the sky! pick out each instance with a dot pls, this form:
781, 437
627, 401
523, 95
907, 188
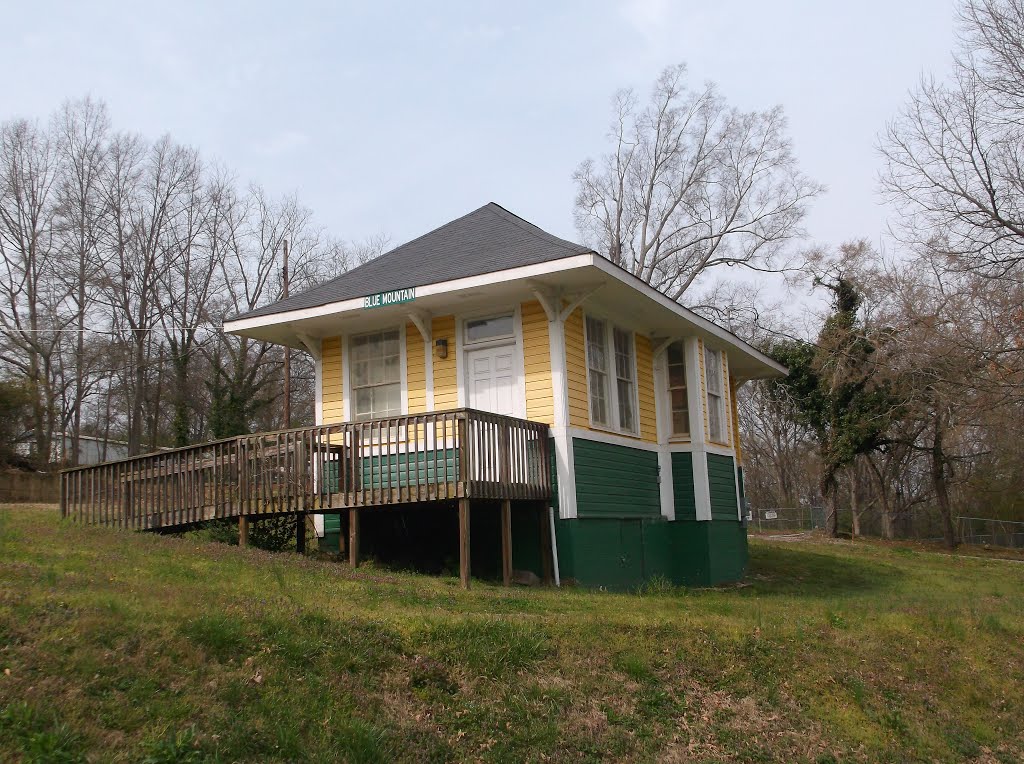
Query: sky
395, 118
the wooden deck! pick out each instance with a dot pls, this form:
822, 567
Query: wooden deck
458, 455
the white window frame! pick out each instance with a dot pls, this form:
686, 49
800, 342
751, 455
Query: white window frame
349, 371
498, 340
723, 434
666, 394
612, 397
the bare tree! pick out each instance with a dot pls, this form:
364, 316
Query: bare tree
149, 189
29, 311
691, 185
955, 155
81, 129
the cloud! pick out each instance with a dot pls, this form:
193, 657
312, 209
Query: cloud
649, 17
284, 142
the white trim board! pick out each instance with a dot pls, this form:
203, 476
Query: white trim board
612, 438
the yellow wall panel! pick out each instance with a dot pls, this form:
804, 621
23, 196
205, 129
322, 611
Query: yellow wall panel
645, 388
735, 423
537, 364
415, 369
446, 383
332, 380
576, 370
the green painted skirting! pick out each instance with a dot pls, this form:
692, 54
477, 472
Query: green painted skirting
623, 554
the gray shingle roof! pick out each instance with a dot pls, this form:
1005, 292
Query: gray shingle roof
486, 240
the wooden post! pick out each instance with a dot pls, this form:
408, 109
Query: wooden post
353, 537
300, 532
506, 542
243, 531
464, 542
546, 561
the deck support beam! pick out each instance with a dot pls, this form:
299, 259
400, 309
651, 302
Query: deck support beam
243, 531
300, 532
353, 537
464, 562
506, 542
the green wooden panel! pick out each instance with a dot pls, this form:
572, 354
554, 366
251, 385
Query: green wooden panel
615, 481
682, 486
417, 468
722, 482
622, 554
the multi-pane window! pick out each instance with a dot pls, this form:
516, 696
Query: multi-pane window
624, 384
678, 403
716, 398
612, 398
376, 375
597, 367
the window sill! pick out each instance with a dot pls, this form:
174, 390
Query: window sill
613, 431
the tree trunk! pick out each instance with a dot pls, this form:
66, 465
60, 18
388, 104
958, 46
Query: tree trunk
138, 377
855, 499
941, 487
888, 529
830, 493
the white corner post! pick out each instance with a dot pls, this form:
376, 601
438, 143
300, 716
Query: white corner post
696, 401
560, 398
315, 349
663, 419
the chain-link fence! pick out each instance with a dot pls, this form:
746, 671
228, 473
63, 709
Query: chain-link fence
918, 525
983, 530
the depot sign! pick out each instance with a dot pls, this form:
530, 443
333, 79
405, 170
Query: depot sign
393, 297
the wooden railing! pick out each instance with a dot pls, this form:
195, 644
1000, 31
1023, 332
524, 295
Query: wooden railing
425, 457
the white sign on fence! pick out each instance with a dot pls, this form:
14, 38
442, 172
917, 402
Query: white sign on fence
771, 515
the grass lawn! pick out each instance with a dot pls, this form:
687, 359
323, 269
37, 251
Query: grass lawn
129, 647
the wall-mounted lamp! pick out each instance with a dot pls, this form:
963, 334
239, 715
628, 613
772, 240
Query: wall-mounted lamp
441, 349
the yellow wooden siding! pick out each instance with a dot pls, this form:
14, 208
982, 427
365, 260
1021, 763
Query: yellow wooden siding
415, 370
332, 380
446, 379
735, 422
645, 388
576, 371
540, 401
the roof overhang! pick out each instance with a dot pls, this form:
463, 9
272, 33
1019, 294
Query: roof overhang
604, 286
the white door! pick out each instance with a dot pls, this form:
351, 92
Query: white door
492, 379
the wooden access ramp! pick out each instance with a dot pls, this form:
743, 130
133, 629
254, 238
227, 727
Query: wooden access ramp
461, 454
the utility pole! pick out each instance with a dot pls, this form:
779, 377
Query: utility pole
287, 350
